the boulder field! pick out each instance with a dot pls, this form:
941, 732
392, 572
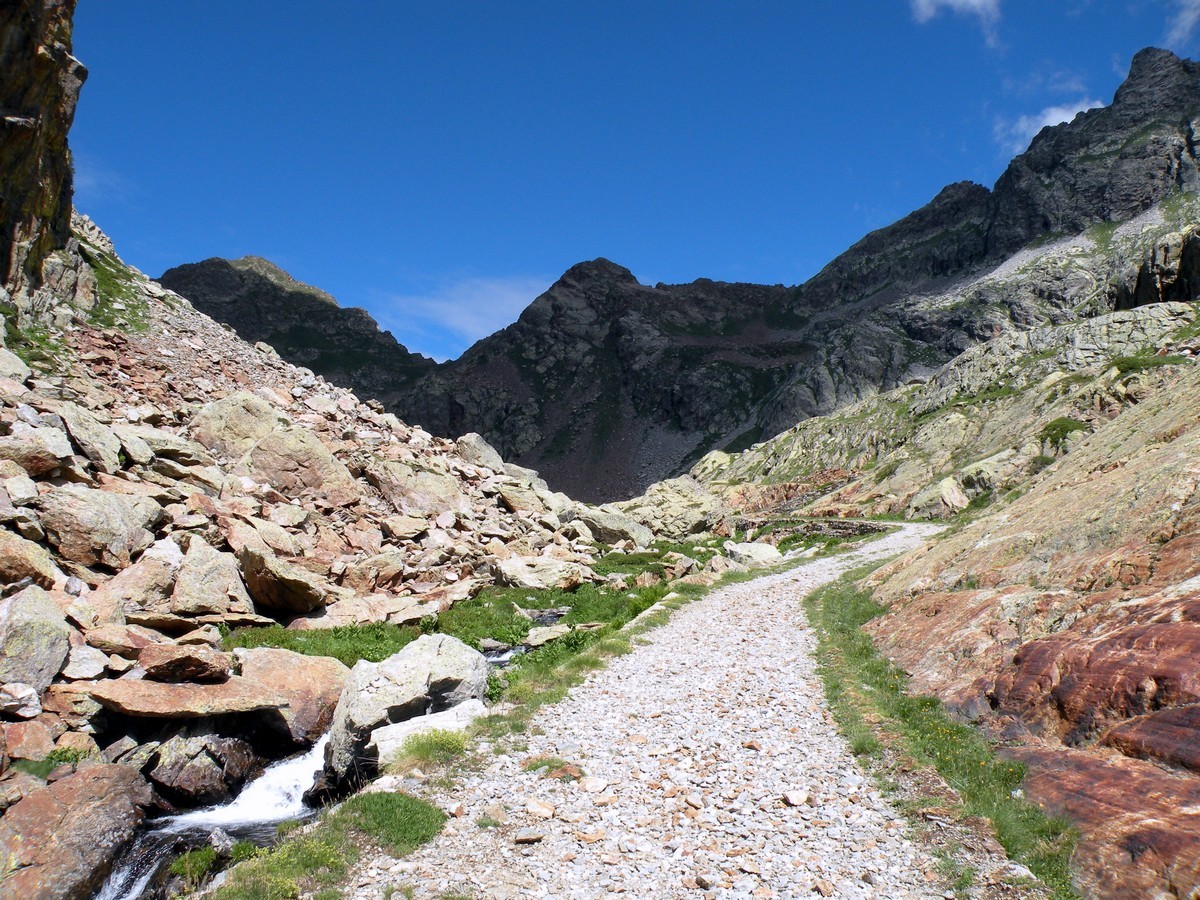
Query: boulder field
163, 482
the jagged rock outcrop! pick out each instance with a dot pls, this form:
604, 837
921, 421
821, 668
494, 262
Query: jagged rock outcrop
304, 324
606, 385
37, 105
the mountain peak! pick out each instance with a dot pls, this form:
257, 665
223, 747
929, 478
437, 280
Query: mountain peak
598, 269
1158, 81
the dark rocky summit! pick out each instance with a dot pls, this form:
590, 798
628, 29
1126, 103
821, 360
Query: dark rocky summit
606, 385
304, 324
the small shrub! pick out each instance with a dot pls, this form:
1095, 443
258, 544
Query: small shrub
1056, 432
1039, 462
194, 865
1128, 365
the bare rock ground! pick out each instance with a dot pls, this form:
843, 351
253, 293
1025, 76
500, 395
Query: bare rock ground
711, 764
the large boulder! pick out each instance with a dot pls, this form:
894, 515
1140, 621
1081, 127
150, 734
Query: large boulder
676, 508
280, 586
39, 451
610, 526
434, 673
478, 452
98, 527
387, 741
143, 590
209, 583
311, 685
90, 435
293, 461
753, 553
233, 425
20, 558
60, 841
410, 488
200, 769
34, 639
158, 700
536, 573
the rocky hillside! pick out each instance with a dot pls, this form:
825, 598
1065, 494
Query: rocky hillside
304, 325
161, 482
606, 385
1061, 614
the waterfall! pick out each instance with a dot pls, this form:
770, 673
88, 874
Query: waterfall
275, 796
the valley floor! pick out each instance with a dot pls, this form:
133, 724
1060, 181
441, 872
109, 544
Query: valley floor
710, 765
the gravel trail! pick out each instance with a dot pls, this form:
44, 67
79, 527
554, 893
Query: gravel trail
713, 768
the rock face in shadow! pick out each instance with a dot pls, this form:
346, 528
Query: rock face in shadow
305, 325
36, 110
606, 385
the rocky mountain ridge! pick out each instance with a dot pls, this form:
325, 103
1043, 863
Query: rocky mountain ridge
606, 385
1059, 612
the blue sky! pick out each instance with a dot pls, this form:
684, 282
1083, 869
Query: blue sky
441, 163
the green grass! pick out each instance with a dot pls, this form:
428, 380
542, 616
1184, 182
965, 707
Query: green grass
194, 865
860, 683
491, 615
317, 860
1127, 365
1056, 432
40, 768
437, 747
348, 643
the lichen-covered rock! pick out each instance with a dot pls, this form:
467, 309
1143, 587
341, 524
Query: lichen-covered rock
233, 425
752, 553
432, 674
209, 583
416, 490
34, 639
387, 741
98, 527
538, 573
610, 526
39, 451
20, 558
279, 586
60, 840
294, 461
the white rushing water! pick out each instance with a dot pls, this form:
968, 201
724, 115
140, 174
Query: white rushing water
275, 796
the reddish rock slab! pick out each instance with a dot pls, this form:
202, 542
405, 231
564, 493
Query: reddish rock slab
310, 684
179, 663
1139, 824
61, 840
1078, 684
157, 700
29, 740
1170, 735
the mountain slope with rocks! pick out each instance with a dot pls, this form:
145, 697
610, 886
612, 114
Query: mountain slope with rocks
606, 385
1060, 614
303, 324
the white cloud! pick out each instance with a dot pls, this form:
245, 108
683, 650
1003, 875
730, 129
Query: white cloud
1183, 23
444, 321
1015, 135
987, 10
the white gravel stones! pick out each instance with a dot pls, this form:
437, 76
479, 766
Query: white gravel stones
713, 769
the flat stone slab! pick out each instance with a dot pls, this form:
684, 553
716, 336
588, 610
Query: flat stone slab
158, 700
